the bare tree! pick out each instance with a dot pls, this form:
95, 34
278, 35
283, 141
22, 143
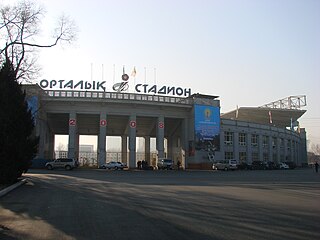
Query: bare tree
19, 27
61, 147
315, 148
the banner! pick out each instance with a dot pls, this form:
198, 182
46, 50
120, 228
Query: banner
207, 127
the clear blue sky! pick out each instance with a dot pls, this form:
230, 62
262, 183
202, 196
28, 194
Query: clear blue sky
248, 52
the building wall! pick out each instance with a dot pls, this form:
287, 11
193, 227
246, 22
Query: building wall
258, 142
247, 142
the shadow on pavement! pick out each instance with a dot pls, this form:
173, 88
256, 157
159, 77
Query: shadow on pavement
166, 205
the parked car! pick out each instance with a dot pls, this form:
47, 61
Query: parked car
164, 163
271, 165
291, 165
66, 163
113, 165
244, 166
258, 165
283, 165
226, 165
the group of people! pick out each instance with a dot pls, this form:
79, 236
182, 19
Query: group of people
143, 165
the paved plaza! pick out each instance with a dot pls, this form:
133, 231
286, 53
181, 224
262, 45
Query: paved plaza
101, 204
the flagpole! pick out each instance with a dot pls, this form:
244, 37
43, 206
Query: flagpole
114, 72
91, 71
134, 79
102, 72
145, 75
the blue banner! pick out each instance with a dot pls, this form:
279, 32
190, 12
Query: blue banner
207, 126
33, 106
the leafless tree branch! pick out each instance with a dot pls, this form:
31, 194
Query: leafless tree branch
19, 27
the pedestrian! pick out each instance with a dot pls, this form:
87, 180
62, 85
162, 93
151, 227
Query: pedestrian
178, 164
316, 165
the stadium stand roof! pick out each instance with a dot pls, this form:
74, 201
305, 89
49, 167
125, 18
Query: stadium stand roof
281, 113
280, 117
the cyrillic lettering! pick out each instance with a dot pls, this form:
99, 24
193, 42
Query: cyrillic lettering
69, 84
187, 92
145, 87
179, 91
100, 85
87, 85
163, 90
171, 89
44, 83
137, 87
79, 83
153, 89
60, 83
53, 83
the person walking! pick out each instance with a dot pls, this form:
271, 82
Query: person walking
316, 166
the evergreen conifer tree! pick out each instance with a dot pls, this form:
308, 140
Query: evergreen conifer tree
17, 144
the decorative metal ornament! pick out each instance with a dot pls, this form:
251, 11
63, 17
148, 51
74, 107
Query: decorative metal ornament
125, 77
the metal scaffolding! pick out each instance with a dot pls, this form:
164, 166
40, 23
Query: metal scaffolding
291, 102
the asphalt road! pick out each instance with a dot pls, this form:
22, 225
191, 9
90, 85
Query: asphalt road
100, 204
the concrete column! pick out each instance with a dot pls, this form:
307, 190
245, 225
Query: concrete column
124, 149
291, 150
236, 146
132, 141
249, 149
147, 149
278, 147
77, 146
51, 145
102, 139
296, 153
170, 148
222, 143
72, 135
285, 149
270, 149
42, 132
184, 142
260, 147
160, 136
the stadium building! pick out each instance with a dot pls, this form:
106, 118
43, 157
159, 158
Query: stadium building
187, 127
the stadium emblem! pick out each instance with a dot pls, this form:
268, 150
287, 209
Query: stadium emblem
122, 86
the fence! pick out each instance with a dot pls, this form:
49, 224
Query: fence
118, 96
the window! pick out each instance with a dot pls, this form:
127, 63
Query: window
289, 145
242, 139
255, 156
274, 157
228, 155
228, 138
265, 157
242, 157
265, 141
281, 142
254, 140
274, 142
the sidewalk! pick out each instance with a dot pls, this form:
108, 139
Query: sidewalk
8, 189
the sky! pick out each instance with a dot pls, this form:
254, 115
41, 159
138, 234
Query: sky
247, 52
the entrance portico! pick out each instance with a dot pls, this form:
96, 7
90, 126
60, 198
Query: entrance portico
125, 118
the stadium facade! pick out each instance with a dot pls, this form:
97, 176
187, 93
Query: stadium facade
196, 133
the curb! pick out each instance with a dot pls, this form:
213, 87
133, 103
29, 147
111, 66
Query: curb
12, 187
